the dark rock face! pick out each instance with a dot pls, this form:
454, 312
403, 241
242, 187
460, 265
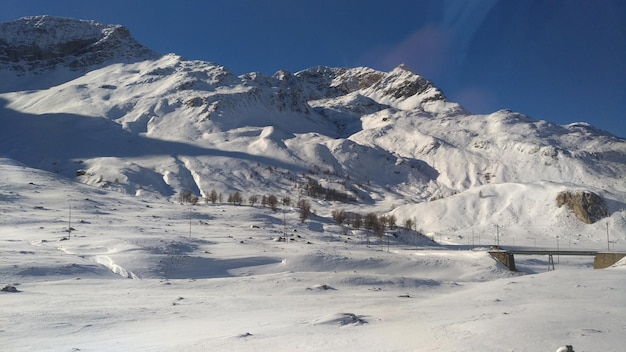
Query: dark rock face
45, 42
588, 206
401, 83
334, 82
10, 289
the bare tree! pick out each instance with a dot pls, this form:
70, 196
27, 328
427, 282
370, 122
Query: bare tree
305, 209
408, 223
213, 196
357, 221
184, 196
272, 201
237, 198
380, 228
253, 199
370, 222
391, 221
339, 216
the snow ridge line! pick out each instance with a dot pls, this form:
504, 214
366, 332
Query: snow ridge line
107, 262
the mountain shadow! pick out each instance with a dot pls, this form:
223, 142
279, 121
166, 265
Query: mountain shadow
41, 140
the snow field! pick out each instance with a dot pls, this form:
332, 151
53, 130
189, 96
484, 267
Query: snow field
132, 277
96, 254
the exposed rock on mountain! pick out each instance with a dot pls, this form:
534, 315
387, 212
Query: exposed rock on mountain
326, 82
587, 206
45, 42
147, 124
402, 83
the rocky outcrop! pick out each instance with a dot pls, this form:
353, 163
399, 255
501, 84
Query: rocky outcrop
587, 206
45, 42
402, 84
325, 82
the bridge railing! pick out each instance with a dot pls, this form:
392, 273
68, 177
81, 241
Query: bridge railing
601, 259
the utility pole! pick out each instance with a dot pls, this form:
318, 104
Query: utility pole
69, 223
416, 234
608, 243
558, 256
472, 237
190, 221
497, 237
285, 226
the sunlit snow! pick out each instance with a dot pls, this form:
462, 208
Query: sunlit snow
97, 253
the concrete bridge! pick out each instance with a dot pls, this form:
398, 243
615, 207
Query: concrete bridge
601, 259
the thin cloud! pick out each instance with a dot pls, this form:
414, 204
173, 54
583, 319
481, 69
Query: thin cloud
477, 99
428, 51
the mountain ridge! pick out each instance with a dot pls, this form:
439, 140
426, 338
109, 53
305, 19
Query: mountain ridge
102, 168
162, 124
47, 42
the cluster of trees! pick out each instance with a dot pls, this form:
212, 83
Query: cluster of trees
236, 198
186, 196
313, 189
270, 201
377, 224
370, 221
309, 188
213, 197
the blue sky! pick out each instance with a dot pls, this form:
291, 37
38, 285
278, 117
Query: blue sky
560, 60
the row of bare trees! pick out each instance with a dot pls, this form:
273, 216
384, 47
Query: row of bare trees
313, 189
370, 221
237, 198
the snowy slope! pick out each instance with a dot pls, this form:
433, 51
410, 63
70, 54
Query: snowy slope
150, 275
166, 124
100, 135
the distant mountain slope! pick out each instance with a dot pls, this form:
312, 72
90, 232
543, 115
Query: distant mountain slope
40, 44
87, 101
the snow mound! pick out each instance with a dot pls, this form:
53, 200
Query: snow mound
341, 319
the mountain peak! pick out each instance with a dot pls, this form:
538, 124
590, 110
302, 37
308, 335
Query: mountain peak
402, 88
403, 67
45, 42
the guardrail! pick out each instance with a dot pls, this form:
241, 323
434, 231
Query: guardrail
601, 259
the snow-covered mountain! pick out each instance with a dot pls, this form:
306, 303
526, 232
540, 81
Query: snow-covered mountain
99, 138
88, 102
45, 43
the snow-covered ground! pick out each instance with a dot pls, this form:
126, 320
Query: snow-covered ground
104, 143
146, 274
